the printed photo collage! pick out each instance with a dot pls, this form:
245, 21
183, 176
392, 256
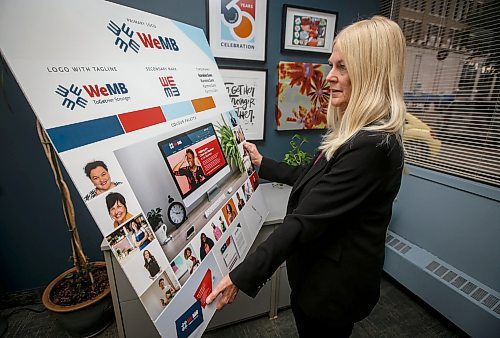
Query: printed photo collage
158, 259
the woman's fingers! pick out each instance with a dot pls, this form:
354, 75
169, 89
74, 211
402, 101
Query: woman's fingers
252, 150
228, 291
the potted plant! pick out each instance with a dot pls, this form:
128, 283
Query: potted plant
79, 298
296, 156
155, 219
230, 146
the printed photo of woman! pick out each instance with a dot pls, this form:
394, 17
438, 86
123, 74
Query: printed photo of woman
150, 264
97, 172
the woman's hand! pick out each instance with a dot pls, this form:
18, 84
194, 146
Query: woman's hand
255, 156
228, 290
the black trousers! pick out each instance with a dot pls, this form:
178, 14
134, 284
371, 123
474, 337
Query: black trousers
311, 327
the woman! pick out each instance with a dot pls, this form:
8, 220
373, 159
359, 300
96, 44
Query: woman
241, 202
140, 236
97, 172
231, 214
117, 208
191, 261
194, 173
222, 224
247, 190
150, 263
206, 245
340, 206
216, 231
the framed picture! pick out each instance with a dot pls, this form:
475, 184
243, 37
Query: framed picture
247, 92
237, 29
307, 30
302, 96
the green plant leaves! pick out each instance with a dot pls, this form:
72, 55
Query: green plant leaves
230, 146
296, 156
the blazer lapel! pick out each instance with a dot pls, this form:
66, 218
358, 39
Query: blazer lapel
313, 170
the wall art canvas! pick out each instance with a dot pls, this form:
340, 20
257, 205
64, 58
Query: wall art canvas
237, 29
307, 29
247, 91
302, 96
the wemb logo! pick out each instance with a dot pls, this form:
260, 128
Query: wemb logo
125, 39
73, 95
169, 86
106, 90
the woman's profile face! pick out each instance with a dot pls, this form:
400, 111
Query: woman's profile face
338, 78
100, 178
188, 253
190, 159
118, 212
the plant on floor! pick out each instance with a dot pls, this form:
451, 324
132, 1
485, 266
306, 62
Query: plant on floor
296, 156
85, 287
230, 146
82, 279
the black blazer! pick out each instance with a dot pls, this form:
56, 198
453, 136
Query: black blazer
333, 235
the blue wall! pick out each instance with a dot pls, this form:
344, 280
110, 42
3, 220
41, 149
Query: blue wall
454, 219
35, 243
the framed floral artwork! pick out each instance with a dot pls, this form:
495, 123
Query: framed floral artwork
237, 29
302, 96
307, 29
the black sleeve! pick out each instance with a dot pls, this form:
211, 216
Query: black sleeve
279, 171
358, 171
181, 172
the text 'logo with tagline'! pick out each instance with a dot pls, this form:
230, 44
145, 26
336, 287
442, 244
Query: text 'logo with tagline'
125, 39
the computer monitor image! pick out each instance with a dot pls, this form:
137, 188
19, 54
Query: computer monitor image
195, 161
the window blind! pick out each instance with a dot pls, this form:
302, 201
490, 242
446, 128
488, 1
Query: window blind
452, 85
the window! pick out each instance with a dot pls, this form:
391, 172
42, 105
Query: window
415, 5
454, 38
438, 7
452, 89
433, 36
412, 30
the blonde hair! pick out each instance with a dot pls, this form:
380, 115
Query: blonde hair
374, 53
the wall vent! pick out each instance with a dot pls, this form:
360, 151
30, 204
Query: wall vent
479, 294
497, 309
441, 271
394, 242
475, 291
406, 249
399, 246
449, 276
468, 288
490, 301
459, 282
432, 266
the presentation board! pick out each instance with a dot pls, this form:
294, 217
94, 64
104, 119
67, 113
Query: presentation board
132, 103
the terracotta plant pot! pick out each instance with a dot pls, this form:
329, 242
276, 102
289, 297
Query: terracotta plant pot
86, 319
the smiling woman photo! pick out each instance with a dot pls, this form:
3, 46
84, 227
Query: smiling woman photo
97, 172
117, 208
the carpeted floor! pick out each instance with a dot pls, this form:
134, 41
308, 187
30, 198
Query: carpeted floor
398, 314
